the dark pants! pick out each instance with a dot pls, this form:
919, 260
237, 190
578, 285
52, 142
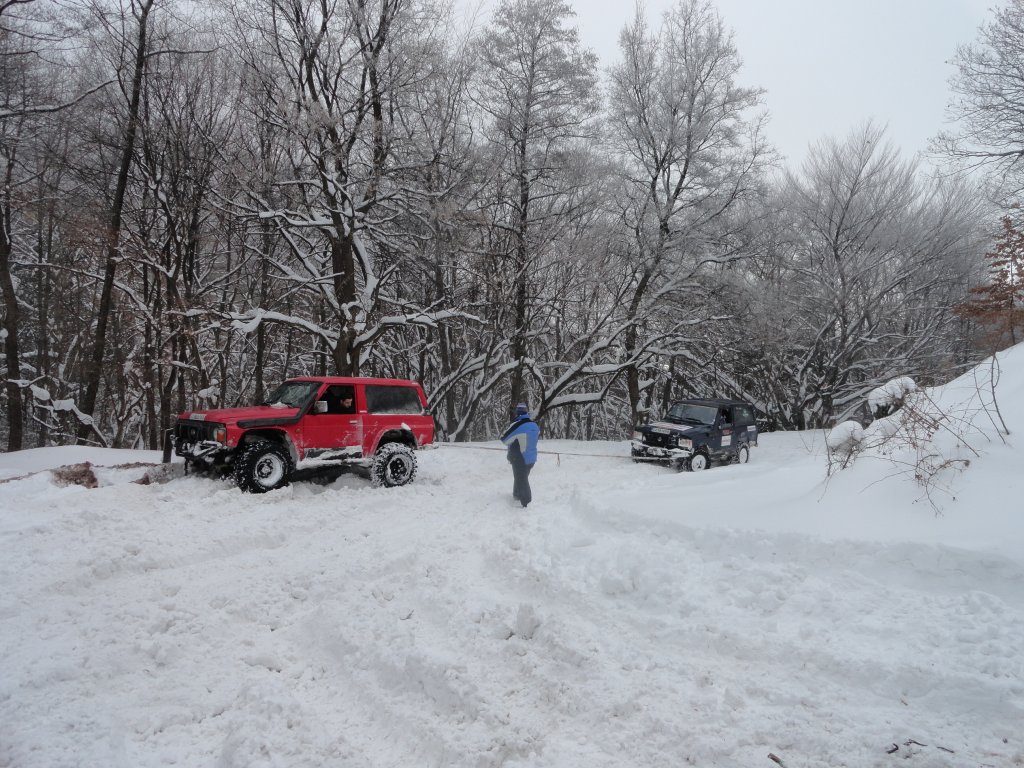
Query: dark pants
521, 484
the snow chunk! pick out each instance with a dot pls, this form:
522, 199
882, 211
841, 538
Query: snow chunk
527, 622
846, 437
69, 405
249, 326
210, 393
891, 394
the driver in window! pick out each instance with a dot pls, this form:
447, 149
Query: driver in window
348, 403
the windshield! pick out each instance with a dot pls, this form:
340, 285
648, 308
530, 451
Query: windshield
292, 394
691, 413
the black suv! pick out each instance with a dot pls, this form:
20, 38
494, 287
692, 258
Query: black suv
696, 431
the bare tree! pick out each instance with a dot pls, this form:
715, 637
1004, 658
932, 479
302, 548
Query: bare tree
337, 73
176, 249
861, 288
538, 86
134, 72
31, 98
989, 98
445, 171
14, 62
690, 156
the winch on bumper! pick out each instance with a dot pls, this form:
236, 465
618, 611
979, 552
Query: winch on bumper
200, 450
196, 439
668, 448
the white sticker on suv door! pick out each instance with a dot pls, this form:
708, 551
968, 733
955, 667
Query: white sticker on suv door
726, 440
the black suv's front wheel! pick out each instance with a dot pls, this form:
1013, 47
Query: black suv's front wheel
698, 462
262, 467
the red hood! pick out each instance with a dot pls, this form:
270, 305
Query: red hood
234, 415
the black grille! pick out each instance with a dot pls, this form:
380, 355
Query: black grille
659, 441
188, 431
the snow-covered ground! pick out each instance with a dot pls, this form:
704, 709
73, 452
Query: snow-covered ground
754, 615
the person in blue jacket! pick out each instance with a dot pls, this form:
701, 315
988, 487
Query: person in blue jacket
521, 440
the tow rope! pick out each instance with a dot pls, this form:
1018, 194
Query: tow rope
557, 454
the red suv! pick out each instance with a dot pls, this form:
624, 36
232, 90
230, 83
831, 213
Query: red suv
312, 423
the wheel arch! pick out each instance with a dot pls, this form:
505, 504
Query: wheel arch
404, 436
273, 435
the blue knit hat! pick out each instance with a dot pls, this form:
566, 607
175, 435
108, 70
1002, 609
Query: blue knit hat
522, 409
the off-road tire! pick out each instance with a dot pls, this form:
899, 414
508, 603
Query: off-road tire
743, 454
394, 464
262, 467
698, 462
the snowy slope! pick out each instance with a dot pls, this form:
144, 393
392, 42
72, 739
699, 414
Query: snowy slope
631, 617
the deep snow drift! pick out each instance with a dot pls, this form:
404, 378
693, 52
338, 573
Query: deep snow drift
630, 617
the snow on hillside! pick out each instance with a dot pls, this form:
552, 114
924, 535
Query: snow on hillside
753, 615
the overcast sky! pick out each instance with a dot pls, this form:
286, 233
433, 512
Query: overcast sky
829, 65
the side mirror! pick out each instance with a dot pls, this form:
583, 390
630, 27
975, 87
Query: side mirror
320, 406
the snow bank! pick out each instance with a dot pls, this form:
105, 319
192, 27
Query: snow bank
845, 437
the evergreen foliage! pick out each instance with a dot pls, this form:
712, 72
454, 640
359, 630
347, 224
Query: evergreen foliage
998, 305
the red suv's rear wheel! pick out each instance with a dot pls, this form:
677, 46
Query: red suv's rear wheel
393, 464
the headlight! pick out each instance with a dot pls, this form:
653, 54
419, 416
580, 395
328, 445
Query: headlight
220, 435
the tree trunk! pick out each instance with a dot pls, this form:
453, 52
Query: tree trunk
345, 353
520, 262
15, 418
94, 367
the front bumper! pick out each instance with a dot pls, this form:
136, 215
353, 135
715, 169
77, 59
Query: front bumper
197, 439
643, 452
202, 449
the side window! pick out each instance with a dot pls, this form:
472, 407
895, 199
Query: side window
382, 399
725, 418
339, 399
744, 416
347, 395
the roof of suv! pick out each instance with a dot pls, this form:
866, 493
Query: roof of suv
354, 380
716, 402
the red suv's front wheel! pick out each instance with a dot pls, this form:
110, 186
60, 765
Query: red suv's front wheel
262, 467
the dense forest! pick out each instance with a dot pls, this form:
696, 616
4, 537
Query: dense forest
200, 199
